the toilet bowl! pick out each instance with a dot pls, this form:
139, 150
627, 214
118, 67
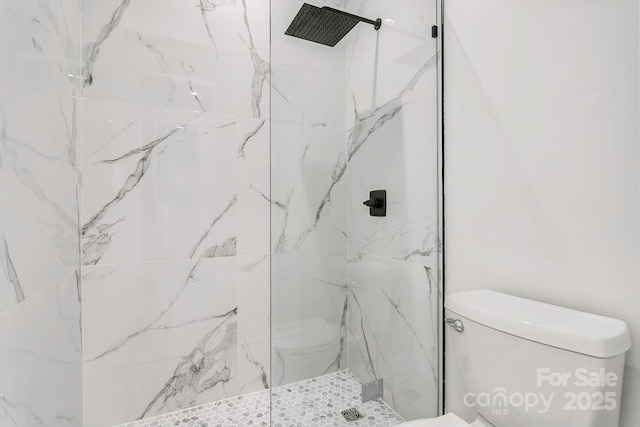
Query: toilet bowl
503, 345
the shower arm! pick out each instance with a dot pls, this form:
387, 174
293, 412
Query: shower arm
376, 24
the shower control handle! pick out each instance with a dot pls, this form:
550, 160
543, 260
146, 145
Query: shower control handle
372, 203
377, 203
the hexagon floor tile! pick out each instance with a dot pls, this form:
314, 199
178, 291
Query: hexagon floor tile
317, 402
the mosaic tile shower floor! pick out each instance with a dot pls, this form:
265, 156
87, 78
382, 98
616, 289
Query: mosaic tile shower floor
311, 403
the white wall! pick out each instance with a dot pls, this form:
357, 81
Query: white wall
542, 157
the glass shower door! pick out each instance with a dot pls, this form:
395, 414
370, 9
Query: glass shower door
354, 297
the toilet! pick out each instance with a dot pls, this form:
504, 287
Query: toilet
524, 363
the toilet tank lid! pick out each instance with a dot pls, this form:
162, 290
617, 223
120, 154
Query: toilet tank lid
560, 327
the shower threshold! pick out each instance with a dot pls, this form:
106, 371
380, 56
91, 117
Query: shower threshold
314, 402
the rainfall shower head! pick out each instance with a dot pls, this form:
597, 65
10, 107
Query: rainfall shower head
325, 25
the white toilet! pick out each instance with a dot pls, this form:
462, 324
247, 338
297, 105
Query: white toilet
524, 363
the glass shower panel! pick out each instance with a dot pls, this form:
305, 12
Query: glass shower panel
309, 204
354, 297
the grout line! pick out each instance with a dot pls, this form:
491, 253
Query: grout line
50, 285
173, 260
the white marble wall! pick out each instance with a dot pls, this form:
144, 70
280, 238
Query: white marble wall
171, 335
175, 204
309, 202
543, 159
40, 348
393, 261
40, 358
142, 153
38, 164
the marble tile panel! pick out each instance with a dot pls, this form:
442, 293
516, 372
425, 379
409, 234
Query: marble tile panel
41, 360
254, 189
254, 323
308, 79
40, 47
253, 51
396, 151
160, 337
38, 184
393, 331
161, 53
396, 62
309, 247
157, 184
39, 44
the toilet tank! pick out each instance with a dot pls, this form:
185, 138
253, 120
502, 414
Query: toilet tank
524, 363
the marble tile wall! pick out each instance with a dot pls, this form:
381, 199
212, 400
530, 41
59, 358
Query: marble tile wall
135, 163
393, 286
199, 339
40, 345
38, 159
41, 360
175, 204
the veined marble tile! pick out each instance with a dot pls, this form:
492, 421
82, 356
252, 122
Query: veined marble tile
40, 359
158, 184
393, 261
161, 52
254, 178
308, 79
160, 337
402, 53
38, 178
393, 131
40, 47
253, 60
254, 323
393, 331
308, 186
396, 151
308, 198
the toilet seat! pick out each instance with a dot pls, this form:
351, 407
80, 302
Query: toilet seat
448, 420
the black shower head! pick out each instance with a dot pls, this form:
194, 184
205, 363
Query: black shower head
325, 25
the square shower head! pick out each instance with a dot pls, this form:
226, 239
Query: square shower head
321, 25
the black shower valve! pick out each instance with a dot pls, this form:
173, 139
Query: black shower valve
373, 203
377, 203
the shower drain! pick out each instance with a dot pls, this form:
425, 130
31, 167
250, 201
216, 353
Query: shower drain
352, 414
